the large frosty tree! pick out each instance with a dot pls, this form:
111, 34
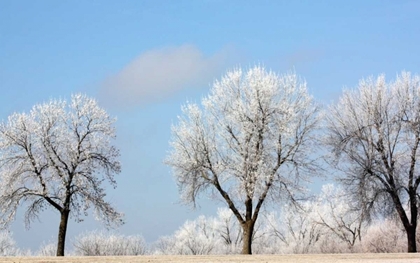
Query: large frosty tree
248, 142
57, 156
374, 135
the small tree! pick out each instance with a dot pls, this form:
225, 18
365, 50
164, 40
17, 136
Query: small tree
251, 141
58, 155
374, 135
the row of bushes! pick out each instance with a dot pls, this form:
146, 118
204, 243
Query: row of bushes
326, 224
279, 235
203, 236
95, 243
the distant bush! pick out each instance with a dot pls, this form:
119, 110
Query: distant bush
100, 243
47, 249
326, 224
384, 236
8, 245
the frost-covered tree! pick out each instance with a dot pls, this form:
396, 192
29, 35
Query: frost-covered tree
57, 156
374, 135
250, 141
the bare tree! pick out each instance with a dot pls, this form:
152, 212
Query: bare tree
374, 133
58, 155
250, 141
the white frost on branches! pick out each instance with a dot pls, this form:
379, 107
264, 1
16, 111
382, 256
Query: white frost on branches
251, 123
248, 141
374, 136
58, 155
101, 243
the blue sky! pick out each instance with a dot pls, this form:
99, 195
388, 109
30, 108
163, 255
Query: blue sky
143, 59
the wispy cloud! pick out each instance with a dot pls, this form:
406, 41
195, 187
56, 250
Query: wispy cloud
159, 73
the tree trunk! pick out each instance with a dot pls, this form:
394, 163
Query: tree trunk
411, 232
410, 228
62, 231
411, 240
248, 231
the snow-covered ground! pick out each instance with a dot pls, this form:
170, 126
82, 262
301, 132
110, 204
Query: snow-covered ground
325, 258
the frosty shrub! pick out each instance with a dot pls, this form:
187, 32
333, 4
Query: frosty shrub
230, 232
292, 231
328, 223
198, 237
386, 236
100, 243
8, 245
338, 219
203, 236
165, 245
47, 250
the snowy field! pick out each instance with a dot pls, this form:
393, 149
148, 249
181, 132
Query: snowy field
325, 258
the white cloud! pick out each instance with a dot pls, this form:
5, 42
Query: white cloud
159, 73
